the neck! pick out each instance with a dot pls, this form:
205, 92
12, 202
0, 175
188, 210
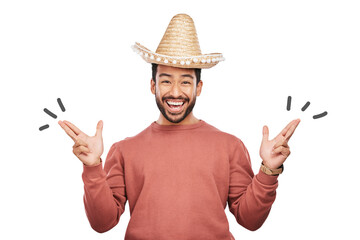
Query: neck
190, 119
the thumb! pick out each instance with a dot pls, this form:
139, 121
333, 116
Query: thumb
265, 133
99, 128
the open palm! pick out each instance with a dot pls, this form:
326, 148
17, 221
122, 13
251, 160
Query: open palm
274, 152
87, 148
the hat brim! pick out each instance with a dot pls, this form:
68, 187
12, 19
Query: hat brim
200, 61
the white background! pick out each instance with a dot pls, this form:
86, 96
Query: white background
80, 51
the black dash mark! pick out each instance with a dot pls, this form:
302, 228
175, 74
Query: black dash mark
305, 106
320, 115
50, 113
44, 127
61, 105
288, 106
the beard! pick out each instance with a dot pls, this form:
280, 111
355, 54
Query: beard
175, 117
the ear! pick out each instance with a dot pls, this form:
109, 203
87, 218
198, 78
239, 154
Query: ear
199, 87
152, 86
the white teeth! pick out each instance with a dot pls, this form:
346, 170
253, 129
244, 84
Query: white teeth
175, 103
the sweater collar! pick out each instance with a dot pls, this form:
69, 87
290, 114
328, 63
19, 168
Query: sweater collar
157, 126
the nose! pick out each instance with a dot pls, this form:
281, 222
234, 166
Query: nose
175, 90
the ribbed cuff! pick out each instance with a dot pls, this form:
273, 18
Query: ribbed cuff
266, 179
93, 172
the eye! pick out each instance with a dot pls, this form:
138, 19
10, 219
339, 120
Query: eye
186, 82
165, 81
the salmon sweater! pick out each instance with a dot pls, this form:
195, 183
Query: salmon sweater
177, 180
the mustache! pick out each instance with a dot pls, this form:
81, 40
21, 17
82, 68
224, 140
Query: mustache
173, 98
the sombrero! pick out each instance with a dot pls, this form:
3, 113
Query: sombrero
179, 47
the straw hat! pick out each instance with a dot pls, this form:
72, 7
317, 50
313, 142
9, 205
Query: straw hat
179, 47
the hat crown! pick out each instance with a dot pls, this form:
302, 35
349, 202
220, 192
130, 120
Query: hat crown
179, 47
180, 38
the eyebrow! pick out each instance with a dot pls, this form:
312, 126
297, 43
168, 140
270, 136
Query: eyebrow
187, 75
169, 75
164, 75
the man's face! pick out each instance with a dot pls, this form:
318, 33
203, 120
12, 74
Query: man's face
175, 92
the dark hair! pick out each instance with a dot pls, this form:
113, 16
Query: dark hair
154, 71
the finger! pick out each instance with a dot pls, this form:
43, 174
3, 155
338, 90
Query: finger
99, 128
283, 150
282, 142
76, 130
265, 133
68, 130
290, 132
284, 131
80, 142
81, 149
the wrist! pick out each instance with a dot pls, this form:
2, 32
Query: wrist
97, 162
270, 165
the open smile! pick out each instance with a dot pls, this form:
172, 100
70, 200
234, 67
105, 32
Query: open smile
175, 106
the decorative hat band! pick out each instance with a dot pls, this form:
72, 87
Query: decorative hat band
200, 61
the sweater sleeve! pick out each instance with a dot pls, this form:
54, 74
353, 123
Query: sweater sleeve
104, 191
250, 197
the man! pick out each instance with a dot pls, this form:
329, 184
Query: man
178, 173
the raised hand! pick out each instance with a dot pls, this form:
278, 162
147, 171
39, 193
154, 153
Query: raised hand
87, 149
274, 152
